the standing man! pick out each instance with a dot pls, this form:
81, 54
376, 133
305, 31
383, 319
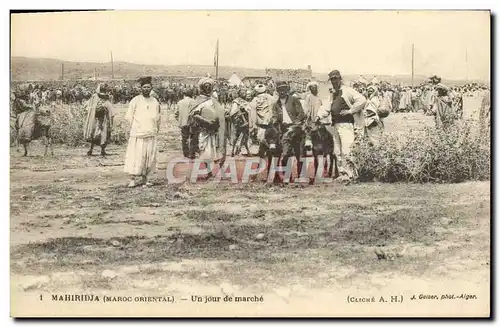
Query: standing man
288, 114
443, 109
387, 94
241, 104
312, 102
260, 113
182, 114
99, 122
347, 106
144, 116
207, 117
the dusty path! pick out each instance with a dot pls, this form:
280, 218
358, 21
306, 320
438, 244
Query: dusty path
72, 231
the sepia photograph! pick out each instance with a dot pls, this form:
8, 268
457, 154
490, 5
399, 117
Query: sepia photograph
250, 163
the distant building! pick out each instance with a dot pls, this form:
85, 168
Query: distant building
252, 80
295, 75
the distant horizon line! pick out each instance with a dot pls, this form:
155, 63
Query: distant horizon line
242, 67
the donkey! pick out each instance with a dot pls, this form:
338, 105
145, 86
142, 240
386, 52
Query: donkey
34, 124
320, 142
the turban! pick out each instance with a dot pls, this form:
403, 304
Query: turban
206, 80
441, 86
311, 84
145, 80
102, 88
374, 88
261, 88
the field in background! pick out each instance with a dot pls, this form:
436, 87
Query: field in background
45, 69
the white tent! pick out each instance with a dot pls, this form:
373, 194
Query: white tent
234, 80
374, 80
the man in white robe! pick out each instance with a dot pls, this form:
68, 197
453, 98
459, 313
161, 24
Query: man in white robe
144, 117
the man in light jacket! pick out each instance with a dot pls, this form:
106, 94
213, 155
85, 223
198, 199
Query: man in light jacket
189, 142
260, 113
347, 106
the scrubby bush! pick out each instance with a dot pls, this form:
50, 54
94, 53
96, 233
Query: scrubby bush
67, 126
459, 153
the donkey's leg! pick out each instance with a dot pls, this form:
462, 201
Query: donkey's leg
245, 142
45, 140
239, 142
234, 148
331, 158
49, 137
103, 150
17, 145
89, 153
316, 165
335, 165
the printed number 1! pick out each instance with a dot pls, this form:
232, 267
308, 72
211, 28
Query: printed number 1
41, 297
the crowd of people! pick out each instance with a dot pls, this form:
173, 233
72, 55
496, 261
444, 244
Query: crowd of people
268, 119
420, 98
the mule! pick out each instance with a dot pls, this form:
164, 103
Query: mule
271, 146
320, 142
294, 135
32, 125
239, 122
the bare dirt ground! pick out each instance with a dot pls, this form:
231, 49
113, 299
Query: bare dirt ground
76, 228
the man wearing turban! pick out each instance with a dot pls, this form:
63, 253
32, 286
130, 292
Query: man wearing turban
443, 108
260, 113
144, 116
312, 101
208, 118
97, 128
237, 113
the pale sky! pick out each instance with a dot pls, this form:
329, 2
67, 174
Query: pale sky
355, 42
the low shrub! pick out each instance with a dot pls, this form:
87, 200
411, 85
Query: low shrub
67, 126
459, 153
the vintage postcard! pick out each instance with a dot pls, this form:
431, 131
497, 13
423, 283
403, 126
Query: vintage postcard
250, 164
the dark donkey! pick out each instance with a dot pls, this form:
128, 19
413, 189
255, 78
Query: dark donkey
270, 147
320, 142
273, 147
240, 125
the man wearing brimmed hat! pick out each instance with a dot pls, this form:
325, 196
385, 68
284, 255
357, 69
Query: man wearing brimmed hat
260, 114
347, 106
289, 115
207, 118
